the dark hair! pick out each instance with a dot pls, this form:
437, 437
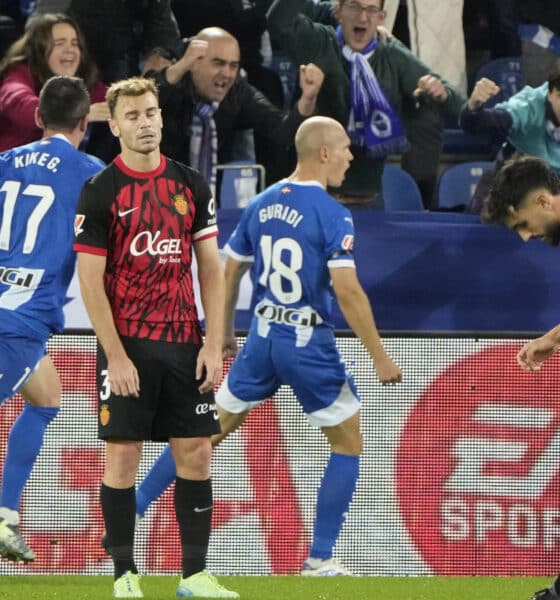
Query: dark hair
554, 76
63, 102
35, 45
513, 183
133, 86
382, 5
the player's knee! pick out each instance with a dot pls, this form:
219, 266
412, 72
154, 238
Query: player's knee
49, 399
43, 389
355, 446
352, 445
193, 457
121, 463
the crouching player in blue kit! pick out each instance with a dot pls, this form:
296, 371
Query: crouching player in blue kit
39, 188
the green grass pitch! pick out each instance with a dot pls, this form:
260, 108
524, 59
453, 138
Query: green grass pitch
286, 588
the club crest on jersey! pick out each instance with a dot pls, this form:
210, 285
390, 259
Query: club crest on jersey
181, 205
104, 414
78, 222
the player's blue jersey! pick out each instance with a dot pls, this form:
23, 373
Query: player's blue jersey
293, 233
39, 188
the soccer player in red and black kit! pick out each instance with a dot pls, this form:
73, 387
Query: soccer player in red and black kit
137, 224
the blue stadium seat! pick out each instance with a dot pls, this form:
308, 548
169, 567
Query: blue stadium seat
241, 182
457, 183
288, 74
400, 191
457, 141
505, 72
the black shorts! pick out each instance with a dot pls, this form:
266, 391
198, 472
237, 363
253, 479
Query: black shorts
169, 404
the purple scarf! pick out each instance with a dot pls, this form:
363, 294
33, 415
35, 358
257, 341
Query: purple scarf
373, 123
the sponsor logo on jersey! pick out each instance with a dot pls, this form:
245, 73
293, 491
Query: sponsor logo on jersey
20, 277
180, 203
150, 243
78, 222
212, 210
348, 242
203, 408
296, 317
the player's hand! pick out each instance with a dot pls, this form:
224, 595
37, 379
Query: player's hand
208, 368
310, 80
428, 85
484, 89
388, 371
230, 348
99, 111
535, 352
123, 376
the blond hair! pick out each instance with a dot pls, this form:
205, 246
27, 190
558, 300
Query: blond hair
134, 86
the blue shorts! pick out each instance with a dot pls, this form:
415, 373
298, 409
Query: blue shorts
19, 357
316, 373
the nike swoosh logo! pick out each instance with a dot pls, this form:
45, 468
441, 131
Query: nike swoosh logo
198, 510
123, 213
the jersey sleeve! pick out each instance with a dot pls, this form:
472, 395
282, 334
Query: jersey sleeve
339, 240
205, 223
239, 245
91, 224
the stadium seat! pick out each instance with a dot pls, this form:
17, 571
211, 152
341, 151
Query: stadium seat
457, 183
240, 182
457, 141
288, 74
400, 191
505, 72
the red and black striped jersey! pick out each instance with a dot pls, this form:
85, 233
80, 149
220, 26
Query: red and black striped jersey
145, 223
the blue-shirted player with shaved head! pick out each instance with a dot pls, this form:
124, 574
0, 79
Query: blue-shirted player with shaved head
298, 242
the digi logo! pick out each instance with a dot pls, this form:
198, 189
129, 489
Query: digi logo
478, 468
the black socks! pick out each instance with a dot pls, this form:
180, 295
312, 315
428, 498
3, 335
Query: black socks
193, 507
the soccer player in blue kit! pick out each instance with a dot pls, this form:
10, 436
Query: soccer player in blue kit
297, 240
39, 188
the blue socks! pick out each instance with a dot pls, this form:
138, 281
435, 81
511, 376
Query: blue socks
157, 480
333, 500
24, 444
